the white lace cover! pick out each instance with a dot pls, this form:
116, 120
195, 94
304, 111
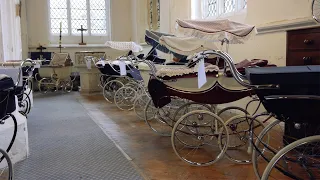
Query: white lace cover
183, 70
124, 46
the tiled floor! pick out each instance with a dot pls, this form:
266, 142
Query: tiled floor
151, 154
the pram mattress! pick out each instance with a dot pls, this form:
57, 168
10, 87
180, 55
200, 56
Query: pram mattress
7, 96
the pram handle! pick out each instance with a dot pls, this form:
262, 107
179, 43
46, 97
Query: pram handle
241, 79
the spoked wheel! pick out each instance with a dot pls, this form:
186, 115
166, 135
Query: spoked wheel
6, 167
68, 86
46, 85
25, 105
228, 112
298, 160
140, 105
110, 88
124, 98
240, 138
267, 144
188, 107
195, 138
160, 120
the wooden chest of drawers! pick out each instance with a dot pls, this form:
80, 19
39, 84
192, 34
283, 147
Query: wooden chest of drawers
303, 47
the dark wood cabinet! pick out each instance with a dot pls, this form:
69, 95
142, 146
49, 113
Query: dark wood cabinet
303, 47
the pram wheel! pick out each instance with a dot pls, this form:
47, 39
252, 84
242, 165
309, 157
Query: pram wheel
25, 104
6, 167
195, 138
298, 160
267, 144
124, 98
160, 120
110, 88
140, 105
188, 107
68, 86
46, 84
229, 112
240, 138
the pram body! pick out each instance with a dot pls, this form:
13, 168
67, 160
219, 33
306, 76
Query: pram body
13, 127
23, 71
56, 75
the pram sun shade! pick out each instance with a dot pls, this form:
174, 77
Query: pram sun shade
152, 38
297, 98
215, 30
7, 95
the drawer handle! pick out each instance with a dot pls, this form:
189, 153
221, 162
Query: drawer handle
306, 41
307, 58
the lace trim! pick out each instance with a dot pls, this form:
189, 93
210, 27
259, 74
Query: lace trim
170, 71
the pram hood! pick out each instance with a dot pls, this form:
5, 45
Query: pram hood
153, 39
186, 45
124, 46
214, 30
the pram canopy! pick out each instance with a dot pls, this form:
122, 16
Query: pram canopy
213, 30
153, 39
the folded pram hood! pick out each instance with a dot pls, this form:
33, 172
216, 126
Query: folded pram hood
186, 45
124, 46
152, 38
214, 30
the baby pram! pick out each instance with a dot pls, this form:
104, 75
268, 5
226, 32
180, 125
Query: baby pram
11, 95
170, 118
292, 95
121, 86
56, 75
23, 71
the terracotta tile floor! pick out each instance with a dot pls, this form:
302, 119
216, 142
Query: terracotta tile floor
151, 154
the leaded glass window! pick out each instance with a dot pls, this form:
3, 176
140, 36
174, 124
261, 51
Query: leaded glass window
217, 8
92, 15
212, 8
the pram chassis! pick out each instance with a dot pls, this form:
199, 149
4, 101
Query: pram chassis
265, 98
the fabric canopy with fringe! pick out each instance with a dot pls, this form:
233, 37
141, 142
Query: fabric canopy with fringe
186, 45
152, 38
215, 30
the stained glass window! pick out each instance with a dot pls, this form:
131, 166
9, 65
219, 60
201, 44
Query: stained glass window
92, 15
